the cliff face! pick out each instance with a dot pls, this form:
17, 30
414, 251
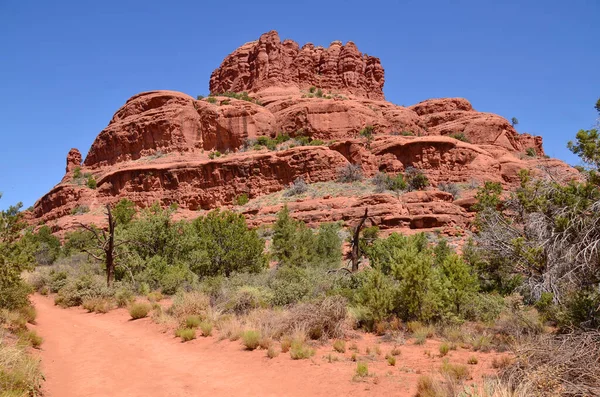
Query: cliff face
269, 64
165, 146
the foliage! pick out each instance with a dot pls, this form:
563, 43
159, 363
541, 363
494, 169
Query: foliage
460, 137
451, 188
531, 152
80, 210
383, 182
124, 211
294, 244
241, 199
250, 339
350, 173
367, 133
139, 310
296, 188
415, 179
514, 121
214, 154
91, 182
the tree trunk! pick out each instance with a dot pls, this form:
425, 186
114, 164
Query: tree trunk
355, 255
110, 248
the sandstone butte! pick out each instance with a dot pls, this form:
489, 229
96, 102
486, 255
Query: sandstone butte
157, 147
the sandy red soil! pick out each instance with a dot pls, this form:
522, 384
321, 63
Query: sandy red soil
86, 354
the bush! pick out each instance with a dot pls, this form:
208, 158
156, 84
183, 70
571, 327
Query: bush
339, 346
457, 372
296, 188
325, 318
124, 297
350, 173
460, 136
206, 328
299, 350
391, 360
362, 369
215, 154
85, 286
531, 152
472, 360
91, 182
186, 334
444, 349
188, 304
383, 182
31, 338
415, 179
211, 99
242, 199
139, 310
451, 188
192, 321
98, 304
80, 209
248, 298
272, 352
251, 339
155, 296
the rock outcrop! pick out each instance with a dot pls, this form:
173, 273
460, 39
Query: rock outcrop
269, 62
168, 147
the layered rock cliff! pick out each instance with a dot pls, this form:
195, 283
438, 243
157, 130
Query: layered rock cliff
168, 147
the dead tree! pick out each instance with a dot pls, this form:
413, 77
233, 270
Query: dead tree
355, 253
106, 244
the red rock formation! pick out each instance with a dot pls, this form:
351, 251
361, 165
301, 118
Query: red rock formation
73, 160
268, 63
156, 147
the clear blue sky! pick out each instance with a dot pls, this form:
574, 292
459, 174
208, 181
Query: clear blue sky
68, 65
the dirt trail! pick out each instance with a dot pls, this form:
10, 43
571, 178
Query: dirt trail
86, 354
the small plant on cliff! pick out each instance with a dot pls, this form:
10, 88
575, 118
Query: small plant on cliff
211, 99
200, 97
451, 188
77, 173
91, 182
215, 154
416, 179
531, 152
350, 173
319, 93
367, 133
383, 182
80, 209
312, 89
296, 188
460, 136
241, 199
514, 121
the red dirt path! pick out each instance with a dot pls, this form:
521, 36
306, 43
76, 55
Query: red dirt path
86, 354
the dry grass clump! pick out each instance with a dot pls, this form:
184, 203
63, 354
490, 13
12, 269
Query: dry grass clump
391, 360
20, 373
362, 369
155, 296
251, 339
139, 310
190, 303
339, 346
31, 338
192, 321
323, 319
272, 351
98, 304
206, 327
568, 365
230, 327
186, 334
444, 349
456, 372
286, 343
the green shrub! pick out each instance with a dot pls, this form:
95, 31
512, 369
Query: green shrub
76, 289
299, 350
91, 182
213, 155
444, 349
460, 136
80, 209
211, 99
124, 297
20, 373
383, 182
339, 346
155, 296
272, 352
188, 304
531, 152
139, 310
416, 179
251, 339
242, 199
206, 328
457, 372
30, 337
192, 321
391, 360
350, 173
472, 360
186, 334
248, 298
362, 369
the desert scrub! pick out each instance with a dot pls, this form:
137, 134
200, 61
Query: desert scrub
206, 327
444, 349
124, 297
139, 310
251, 339
457, 372
362, 369
391, 360
20, 373
190, 303
155, 296
31, 338
472, 360
339, 346
395, 351
272, 351
98, 304
299, 350
286, 343
186, 334
192, 321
